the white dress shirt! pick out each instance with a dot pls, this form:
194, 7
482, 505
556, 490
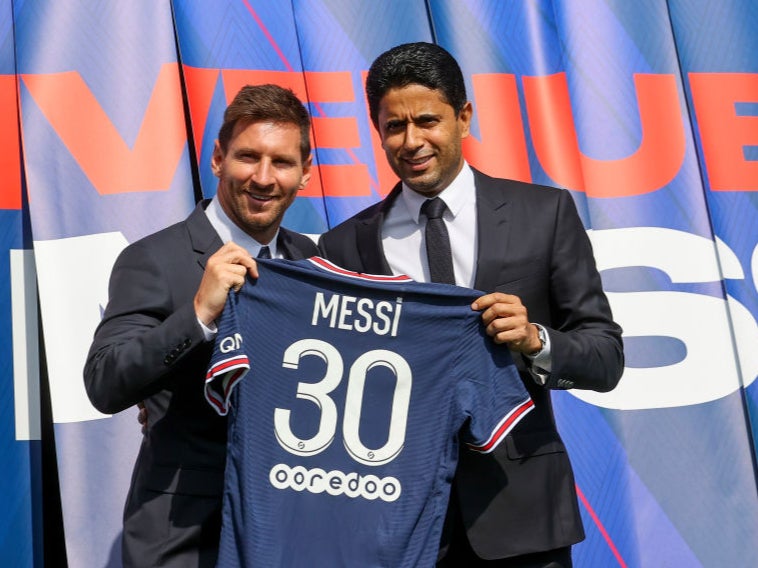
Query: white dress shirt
229, 231
404, 243
403, 231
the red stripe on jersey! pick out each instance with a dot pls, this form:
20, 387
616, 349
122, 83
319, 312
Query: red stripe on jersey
331, 267
513, 418
221, 379
226, 365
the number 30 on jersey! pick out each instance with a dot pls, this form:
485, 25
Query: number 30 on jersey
319, 394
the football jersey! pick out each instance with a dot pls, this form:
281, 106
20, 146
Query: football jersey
344, 434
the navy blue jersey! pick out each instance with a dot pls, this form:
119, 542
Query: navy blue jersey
343, 435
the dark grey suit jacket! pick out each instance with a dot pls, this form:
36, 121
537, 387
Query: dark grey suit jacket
149, 347
521, 498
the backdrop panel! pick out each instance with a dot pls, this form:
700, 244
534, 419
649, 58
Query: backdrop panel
646, 111
21, 516
721, 73
106, 161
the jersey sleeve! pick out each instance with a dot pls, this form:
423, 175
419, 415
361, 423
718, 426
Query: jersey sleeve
494, 396
229, 362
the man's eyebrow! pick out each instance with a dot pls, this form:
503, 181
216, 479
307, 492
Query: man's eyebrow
395, 121
427, 116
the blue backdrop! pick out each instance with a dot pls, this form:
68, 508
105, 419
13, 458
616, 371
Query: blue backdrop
647, 111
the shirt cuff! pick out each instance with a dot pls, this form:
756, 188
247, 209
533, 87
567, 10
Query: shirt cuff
542, 360
209, 331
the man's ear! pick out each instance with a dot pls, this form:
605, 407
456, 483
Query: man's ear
464, 116
216, 159
306, 172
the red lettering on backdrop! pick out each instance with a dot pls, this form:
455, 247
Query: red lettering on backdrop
95, 143
502, 150
723, 133
235, 79
339, 180
10, 155
655, 163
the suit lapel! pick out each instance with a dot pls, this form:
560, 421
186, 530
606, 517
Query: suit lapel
289, 248
369, 236
286, 246
493, 229
204, 238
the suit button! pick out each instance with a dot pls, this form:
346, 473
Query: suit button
187, 343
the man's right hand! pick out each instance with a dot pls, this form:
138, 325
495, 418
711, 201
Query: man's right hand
142, 416
226, 270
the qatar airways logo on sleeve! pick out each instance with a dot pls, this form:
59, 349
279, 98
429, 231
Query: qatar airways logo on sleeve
230, 343
335, 483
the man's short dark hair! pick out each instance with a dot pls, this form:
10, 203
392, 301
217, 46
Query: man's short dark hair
420, 63
266, 103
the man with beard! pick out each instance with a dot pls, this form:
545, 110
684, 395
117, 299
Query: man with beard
154, 343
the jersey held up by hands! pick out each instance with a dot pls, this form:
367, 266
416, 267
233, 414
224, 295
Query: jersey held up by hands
344, 434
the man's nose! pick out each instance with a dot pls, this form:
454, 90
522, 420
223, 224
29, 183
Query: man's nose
413, 138
263, 174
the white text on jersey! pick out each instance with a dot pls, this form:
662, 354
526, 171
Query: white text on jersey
357, 314
335, 482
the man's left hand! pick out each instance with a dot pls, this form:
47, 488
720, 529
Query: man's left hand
506, 321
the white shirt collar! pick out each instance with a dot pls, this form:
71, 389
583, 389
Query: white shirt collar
229, 231
455, 195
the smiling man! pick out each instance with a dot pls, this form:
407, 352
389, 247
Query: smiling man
524, 247
155, 340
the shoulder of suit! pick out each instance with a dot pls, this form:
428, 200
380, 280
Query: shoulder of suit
516, 188
360, 218
194, 226
302, 242
372, 212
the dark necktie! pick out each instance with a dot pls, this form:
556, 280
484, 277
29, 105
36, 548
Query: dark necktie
265, 252
438, 242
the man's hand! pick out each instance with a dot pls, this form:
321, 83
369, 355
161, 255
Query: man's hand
142, 416
226, 270
506, 321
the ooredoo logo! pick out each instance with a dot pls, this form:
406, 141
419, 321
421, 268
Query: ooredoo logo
335, 482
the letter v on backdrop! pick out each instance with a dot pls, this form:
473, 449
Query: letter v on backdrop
95, 143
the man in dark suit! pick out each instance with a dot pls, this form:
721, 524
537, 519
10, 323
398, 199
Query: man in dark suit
155, 340
523, 244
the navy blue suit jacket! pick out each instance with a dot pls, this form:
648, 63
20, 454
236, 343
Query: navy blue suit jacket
149, 347
521, 498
